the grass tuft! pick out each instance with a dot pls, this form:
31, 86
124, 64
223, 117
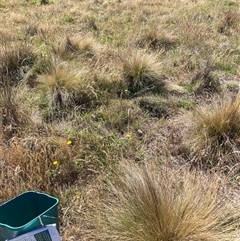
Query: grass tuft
44, 2
142, 73
220, 122
155, 40
16, 60
71, 47
66, 89
151, 203
217, 129
229, 22
14, 117
206, 81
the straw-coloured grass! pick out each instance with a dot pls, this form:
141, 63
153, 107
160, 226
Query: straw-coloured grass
151, 203
142, 73
217, 129
64, 88
220, 121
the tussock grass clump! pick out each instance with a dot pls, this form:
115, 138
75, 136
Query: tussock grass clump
220, 121
152, 203
44, 2
65, 88
35, 30
108, 80
217, 129
43, 64
15, 60
206, 80
67, 48
156, 40
71, 47
229, 22
142, 73
14, 115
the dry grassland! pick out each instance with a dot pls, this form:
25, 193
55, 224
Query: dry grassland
128, 111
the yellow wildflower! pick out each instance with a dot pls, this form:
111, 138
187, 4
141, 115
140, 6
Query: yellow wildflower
55, 162
69, 142
128, 135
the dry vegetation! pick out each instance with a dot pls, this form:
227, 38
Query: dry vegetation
185, 206
93, 92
